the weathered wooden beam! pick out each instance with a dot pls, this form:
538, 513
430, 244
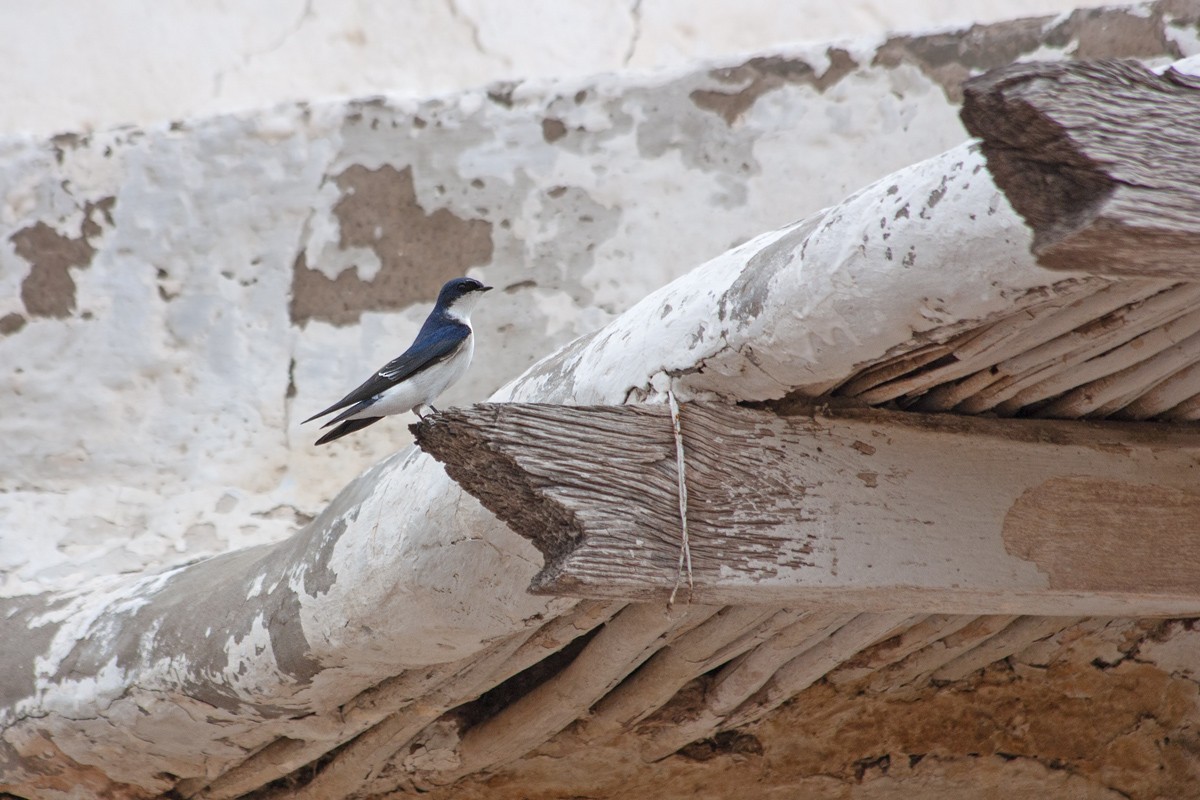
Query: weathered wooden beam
859, 509
1013, 639
809, 667
722, 637
1102, 159
871, 661
366, 755
735, 683
917, 669
628, 640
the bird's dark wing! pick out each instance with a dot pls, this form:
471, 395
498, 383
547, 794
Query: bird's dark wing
349, 426
429, 348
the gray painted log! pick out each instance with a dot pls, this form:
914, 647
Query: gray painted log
1102, 159
856, 509
231, 655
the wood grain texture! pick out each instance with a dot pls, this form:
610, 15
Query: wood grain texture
1106, 344
1101, 158
1068, 307
855, 509
361, 759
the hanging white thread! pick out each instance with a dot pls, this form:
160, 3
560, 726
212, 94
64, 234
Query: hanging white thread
685, 550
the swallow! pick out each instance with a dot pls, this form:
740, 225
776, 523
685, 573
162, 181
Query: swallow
437, 358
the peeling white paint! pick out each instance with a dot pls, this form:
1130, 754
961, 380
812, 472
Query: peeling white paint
1189, 66
248, 659
1186, 38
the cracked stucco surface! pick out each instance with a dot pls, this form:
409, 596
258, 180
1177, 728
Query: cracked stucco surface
186, 58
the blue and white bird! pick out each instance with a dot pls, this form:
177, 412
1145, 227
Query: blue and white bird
438, 357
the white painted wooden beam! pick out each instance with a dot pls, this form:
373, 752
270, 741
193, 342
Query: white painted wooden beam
856, 509
1102, 159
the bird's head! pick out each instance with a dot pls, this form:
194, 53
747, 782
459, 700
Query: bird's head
459, 296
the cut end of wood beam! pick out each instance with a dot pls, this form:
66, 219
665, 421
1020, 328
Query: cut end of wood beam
566, 477
460, 440
1100, 158
1047, 177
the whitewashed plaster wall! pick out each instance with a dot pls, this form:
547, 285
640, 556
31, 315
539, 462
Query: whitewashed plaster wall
175, 298
72, 65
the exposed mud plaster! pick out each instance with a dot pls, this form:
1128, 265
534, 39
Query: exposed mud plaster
63, 142
53, 773
11, 323
951, 58
418, 251
1118, 33
49, 290
553, 130
761, 75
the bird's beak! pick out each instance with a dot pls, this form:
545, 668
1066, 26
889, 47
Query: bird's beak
485, 288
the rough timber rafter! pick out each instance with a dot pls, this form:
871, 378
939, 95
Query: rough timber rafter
859, 509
